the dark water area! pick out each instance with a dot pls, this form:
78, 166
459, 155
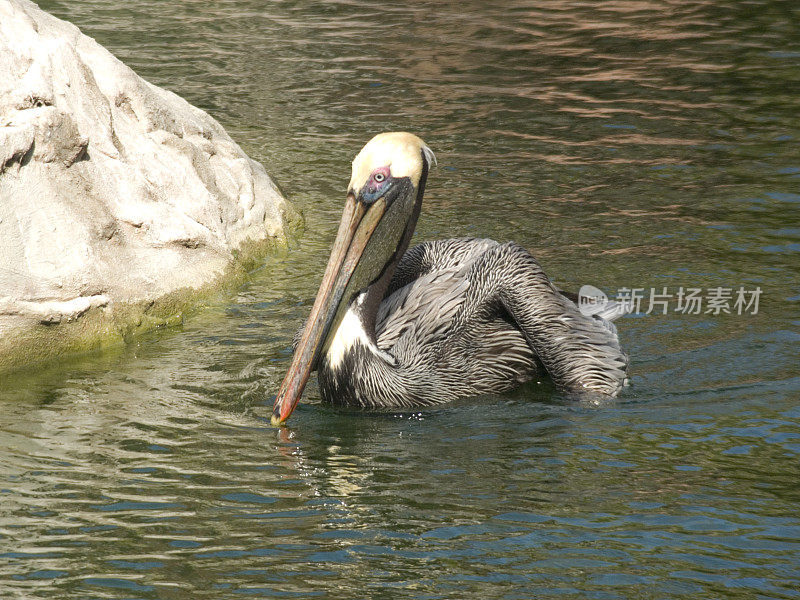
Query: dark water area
628, 144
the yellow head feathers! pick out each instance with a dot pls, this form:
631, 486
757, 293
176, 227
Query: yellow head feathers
400, 151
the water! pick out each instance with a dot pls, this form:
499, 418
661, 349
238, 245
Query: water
639, 144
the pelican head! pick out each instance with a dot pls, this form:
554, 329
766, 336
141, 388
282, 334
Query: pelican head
381, 209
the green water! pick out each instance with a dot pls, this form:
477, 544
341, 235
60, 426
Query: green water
628, 144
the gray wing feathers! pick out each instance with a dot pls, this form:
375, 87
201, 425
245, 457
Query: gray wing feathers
439, 255
423, 309
580, 353
456, 288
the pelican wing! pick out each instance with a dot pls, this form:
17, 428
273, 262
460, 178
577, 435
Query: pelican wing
439, 255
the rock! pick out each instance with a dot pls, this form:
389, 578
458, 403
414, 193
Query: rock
119, 201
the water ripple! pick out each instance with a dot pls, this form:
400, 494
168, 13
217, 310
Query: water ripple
627, 143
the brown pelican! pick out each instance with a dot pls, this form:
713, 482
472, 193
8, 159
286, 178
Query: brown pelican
445, 320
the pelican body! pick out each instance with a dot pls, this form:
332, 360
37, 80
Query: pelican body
448, 319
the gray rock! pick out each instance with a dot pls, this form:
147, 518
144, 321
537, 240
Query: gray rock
118, 200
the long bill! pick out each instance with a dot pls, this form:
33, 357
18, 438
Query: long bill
355, 230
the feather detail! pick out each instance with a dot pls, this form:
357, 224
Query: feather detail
464, 317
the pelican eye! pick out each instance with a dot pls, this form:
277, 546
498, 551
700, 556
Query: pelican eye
377, 185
